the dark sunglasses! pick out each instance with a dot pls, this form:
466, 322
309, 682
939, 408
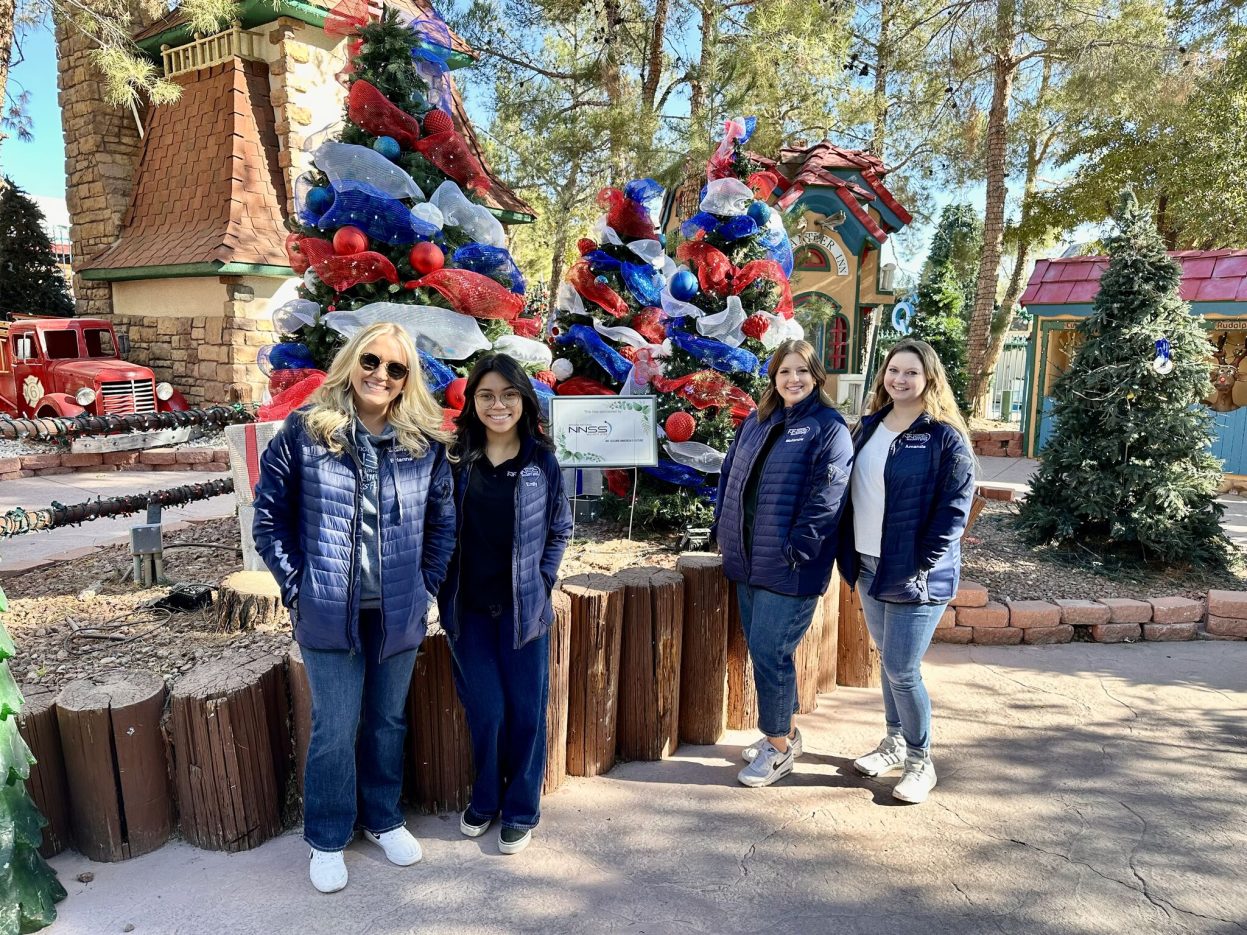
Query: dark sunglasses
394, 370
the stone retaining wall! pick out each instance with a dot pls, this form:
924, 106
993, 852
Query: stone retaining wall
997, 443
150, 459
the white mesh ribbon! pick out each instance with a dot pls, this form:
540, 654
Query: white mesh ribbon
725, 325
781, 329
294, 314
473, 219
429, 213
637, 383
568, 300
604, 233
650, 251
727, 197
695, 455
348, 164
329, 131
440, 332
621, 333
525, 350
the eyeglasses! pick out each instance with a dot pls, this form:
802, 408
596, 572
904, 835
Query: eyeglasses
393, 369
510, 399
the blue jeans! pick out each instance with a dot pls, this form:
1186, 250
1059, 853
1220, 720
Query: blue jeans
773, 625
902, 632
355, 754
504, 691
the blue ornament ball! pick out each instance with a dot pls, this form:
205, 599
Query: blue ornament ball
662, 240
319, 200
602, 279
684, 286
760, 212
388, 147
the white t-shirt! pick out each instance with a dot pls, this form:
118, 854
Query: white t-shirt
866, 486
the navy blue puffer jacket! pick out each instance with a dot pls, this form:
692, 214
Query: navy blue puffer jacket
307, 530
543, 527
801, 490
928, 490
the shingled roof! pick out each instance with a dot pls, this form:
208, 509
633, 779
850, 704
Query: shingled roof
209, 188
1207, 276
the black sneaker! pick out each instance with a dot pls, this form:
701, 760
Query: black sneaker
472, 825
514, 840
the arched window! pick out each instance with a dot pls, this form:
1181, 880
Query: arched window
812, 259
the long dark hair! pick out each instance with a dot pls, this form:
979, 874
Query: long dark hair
771, 400
470, 431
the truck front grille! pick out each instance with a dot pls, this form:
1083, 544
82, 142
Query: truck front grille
126, 396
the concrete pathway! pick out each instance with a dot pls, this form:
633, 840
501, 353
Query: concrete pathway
1014, 473
1084, 788
37, 548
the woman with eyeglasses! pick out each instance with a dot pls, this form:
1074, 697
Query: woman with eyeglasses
514, 524
355, 517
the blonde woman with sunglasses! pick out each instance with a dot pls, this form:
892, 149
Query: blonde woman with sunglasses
355, 496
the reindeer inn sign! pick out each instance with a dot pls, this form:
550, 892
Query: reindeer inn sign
1214, 283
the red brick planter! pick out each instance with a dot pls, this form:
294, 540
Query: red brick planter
151, 459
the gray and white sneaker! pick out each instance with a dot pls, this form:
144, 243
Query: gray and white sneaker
750, 753
767, 767
917, 780
888, 757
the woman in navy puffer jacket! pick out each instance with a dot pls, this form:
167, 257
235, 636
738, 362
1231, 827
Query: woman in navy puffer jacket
912, 486
355, 518
514, 524
780, 493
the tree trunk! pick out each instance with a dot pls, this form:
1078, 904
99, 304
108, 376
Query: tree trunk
653, 55
857, 665
567, 196
703, 84
649, 663
8, 9
556, 708
612, 84
250, 600
1003, 69
703, 664
597, 603
879, 102
46, 785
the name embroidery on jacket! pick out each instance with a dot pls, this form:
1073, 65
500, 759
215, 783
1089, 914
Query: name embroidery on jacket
797, 435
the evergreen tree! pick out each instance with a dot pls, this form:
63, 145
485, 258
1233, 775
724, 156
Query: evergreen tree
29, 885
1128, 468
30, 280
939, 320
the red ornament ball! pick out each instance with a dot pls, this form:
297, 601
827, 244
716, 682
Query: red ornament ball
585, 245
437, 121
680, 426
755, 326
547, 377
349, 240
426, 257
627, 352
454, 392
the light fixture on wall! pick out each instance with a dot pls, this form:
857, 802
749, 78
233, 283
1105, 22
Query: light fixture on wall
887, 277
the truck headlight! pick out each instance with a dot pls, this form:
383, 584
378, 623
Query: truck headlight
164, 391
85, 396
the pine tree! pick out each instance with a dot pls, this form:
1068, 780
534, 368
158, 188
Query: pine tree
1128, 468
29, 885
30, 280
939, 321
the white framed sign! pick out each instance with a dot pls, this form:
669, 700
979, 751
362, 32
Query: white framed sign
605, 431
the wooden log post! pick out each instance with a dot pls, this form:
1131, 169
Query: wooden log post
250, 599
116, 768
556, 707
438, 743
806, 661
857, 663
649, 667
593, 672
231, 750
300, 710
703, 662
742, 692
830, 647
46, 785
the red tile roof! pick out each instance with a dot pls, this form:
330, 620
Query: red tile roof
209, 188
1207, 276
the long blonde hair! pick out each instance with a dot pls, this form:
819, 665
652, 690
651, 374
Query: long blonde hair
414, 413
937, 395
771, 400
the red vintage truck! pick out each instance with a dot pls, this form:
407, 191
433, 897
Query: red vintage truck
68, 366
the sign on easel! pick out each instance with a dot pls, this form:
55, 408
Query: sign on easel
246, 443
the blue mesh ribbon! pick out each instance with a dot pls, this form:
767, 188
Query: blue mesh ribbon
589, 341
644, 282
601, 262
290, 356
431, 58
775, 242
376, 214
713, 353
732, 229
437, 376
677, 474
494, 262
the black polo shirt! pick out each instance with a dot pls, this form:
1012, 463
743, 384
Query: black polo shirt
488, 531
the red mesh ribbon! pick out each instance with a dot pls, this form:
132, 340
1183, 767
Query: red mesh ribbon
763, 184
629, 218
649, 323
547, 377
755, 326
713, 268
294, 253
583, 386
448, 151
471, 293
292, 397
342, 272
765, 269
281, 380
374, 113
618, 482
449, 417
705, 388
347, 18
526, 327
585, 245
585, 283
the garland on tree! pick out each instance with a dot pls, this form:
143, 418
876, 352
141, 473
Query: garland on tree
1128, 468
384, 230
630, 321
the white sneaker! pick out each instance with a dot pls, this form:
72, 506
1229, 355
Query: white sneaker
767, 767
917, 780
400, 846
327, 870
886, 758
750, 753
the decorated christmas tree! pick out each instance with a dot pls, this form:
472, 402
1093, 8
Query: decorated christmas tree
387, 228
631, 321
30, 280
1128, 468
29, 885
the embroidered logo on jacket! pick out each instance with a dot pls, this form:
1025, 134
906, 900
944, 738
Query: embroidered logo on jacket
797, 435
531, 475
